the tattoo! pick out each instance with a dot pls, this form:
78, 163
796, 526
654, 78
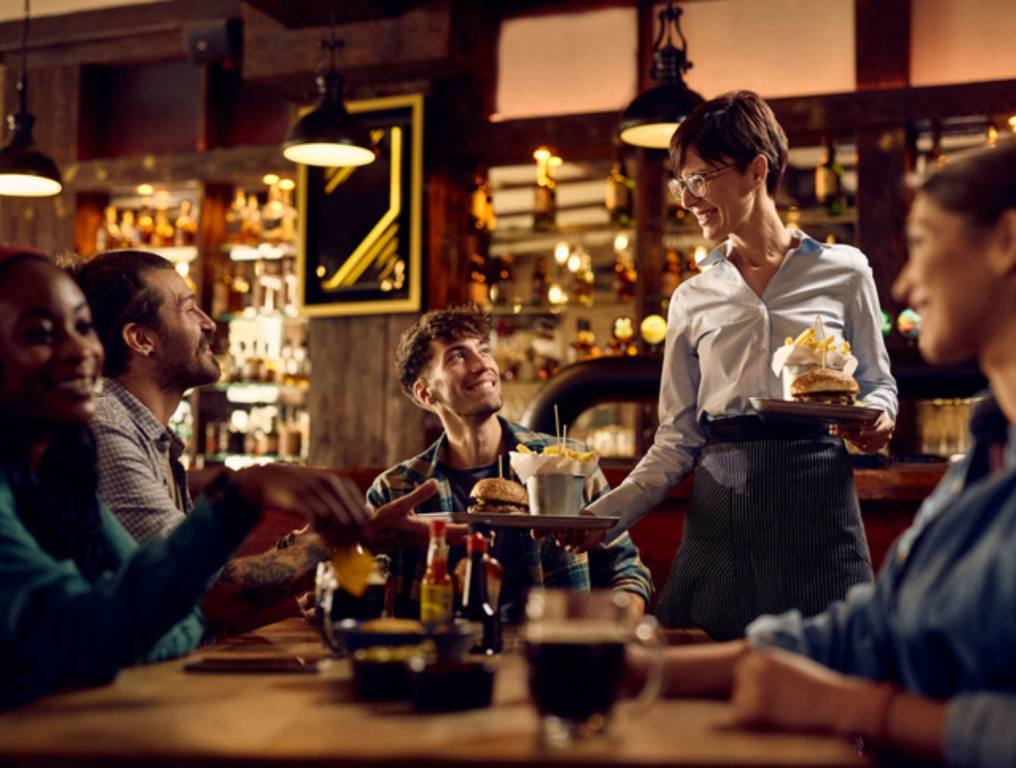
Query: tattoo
276, 574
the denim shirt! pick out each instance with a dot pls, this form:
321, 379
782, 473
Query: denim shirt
940, 621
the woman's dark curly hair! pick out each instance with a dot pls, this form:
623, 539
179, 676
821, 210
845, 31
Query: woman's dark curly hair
414, 353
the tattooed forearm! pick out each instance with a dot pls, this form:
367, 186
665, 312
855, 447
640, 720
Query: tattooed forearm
276, 574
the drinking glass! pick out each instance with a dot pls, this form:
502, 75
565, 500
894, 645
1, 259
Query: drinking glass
575, 648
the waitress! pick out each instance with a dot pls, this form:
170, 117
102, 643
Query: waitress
774, 522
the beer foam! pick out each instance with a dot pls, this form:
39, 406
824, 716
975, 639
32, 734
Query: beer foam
576, 632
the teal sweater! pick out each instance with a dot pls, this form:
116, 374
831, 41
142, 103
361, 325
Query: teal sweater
57, 629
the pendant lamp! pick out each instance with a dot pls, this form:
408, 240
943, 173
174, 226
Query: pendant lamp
24, 170
653, 116
328, 135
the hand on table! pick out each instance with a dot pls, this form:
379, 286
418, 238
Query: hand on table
397, 524
775, 688
869, 437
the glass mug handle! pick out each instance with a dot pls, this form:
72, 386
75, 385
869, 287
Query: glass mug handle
647, 635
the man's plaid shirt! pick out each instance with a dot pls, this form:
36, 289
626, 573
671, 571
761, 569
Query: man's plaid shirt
136, 453
616, 565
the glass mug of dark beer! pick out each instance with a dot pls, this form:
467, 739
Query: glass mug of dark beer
574, 646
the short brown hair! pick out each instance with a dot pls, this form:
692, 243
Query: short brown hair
114, 284
413, 354
737, 126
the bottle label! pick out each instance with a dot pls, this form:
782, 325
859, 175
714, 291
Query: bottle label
435, 602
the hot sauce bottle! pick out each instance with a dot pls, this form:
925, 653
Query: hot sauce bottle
436, 587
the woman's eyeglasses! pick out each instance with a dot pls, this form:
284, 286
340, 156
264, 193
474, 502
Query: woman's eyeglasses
697, 184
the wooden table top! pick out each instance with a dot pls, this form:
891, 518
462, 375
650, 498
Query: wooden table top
160, 715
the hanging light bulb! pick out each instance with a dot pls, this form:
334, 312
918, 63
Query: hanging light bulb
653, 116
24, 170
328, 135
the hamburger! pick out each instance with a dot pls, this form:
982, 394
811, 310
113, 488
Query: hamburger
498, 496
824, 385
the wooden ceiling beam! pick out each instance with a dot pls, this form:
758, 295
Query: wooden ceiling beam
146, 32
806, 119
416, 43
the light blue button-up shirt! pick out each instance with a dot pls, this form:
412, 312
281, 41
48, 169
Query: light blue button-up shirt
721, 337
940, 621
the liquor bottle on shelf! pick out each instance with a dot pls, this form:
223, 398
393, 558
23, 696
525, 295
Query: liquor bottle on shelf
302, 356
221, 289
541, 281
272, 214
258, 288
235, 217
476, 604
212, 433
545, 197
186, 232
671, 276
129, 231
436, 587
289, 288
239, 289
625, 275
162, 234
251, 226
109, 236
290, 217
618, 200
476, 291
251, 370
501, 278
829, 181
479, 206
146, 226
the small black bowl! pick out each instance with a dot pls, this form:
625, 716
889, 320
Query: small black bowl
380, 673
449, 641
450, 686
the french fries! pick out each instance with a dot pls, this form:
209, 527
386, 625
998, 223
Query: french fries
559, 450
809, 338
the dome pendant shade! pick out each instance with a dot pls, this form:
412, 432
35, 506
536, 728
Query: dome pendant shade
328, 135
653, 116
24, 170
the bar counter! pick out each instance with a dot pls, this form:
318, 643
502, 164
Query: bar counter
889, 498
160, 715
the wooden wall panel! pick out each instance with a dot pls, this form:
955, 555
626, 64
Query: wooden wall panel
883, 161
359, 416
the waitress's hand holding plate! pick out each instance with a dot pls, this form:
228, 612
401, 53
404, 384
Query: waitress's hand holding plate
868, 436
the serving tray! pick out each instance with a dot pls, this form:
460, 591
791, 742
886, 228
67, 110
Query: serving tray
823, 413
538, 522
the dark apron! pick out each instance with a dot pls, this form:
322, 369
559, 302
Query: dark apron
773, 524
